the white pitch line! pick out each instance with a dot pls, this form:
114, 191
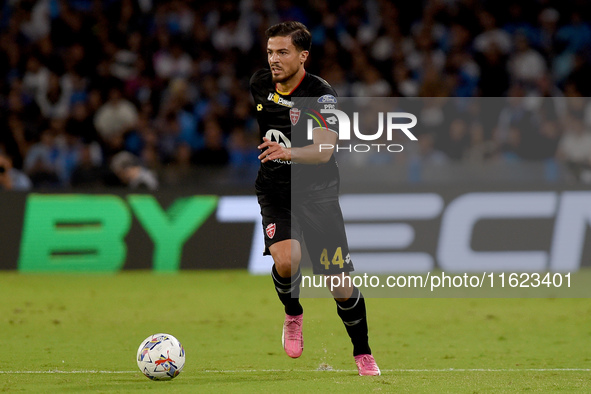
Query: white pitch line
65, 372
412, 370
315, 370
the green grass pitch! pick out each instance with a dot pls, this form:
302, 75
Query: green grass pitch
80, 333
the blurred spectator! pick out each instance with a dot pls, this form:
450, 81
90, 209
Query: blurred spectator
456, 142
494, 78
546, 35
14, 140
424, 155
570, 39
232, 32
511, 149
54, 98
11, 178
526, 65
289, 11
171, 145
390, 39
138, 86
128, 171
429, 25
515, 112
574, 149
424, 55
460, 38
547, 143
371, 85
115, 119
41, 162
80, 123
35, 23
576, 35
149, 153
172, 61
36, 77
480, 149
463, 74
89, 171
491, 35
178, 16
72, 28
518, 21
243, 152
404, 84
71, 147
579, 75
214, 151
125, 59
176, 102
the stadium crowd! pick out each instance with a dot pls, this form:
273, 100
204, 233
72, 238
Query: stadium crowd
143, 92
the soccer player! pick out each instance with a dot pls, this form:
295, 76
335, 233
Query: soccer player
297, 189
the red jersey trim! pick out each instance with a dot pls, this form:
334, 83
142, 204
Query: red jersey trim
292, 90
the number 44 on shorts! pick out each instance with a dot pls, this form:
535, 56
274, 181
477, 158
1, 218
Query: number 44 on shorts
337, 258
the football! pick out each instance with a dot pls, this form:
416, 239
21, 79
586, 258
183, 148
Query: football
161, 357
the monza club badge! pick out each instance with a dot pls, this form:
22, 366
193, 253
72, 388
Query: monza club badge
294, 115
270, 230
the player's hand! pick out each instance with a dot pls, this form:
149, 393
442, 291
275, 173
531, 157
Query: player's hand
273, 151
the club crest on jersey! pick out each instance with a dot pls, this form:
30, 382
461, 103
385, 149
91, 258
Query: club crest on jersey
270, 230
294, 115
327, 98
277, 99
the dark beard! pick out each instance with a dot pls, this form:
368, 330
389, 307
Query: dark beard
283, 79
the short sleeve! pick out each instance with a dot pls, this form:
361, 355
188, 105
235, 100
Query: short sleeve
324, 104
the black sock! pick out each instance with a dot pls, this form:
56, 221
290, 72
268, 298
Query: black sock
352, 312
288, 290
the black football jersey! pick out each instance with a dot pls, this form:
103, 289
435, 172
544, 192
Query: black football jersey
286, 118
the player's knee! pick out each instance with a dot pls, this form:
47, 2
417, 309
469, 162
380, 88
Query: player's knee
342, 294
287, 256
286, 264
340, 286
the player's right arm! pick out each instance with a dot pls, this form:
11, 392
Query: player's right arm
320, 151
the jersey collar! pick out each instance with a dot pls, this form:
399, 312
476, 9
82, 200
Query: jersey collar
292, 90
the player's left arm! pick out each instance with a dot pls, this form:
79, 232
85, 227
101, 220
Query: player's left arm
319, 151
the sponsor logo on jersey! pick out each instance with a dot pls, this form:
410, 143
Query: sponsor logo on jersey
277, 99
332, 120
327, 98
294, 115
270, 230
281, 139
259, 107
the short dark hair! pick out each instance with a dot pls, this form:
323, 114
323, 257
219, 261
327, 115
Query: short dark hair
300, 36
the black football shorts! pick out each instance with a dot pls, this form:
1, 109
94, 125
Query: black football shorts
317, 222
